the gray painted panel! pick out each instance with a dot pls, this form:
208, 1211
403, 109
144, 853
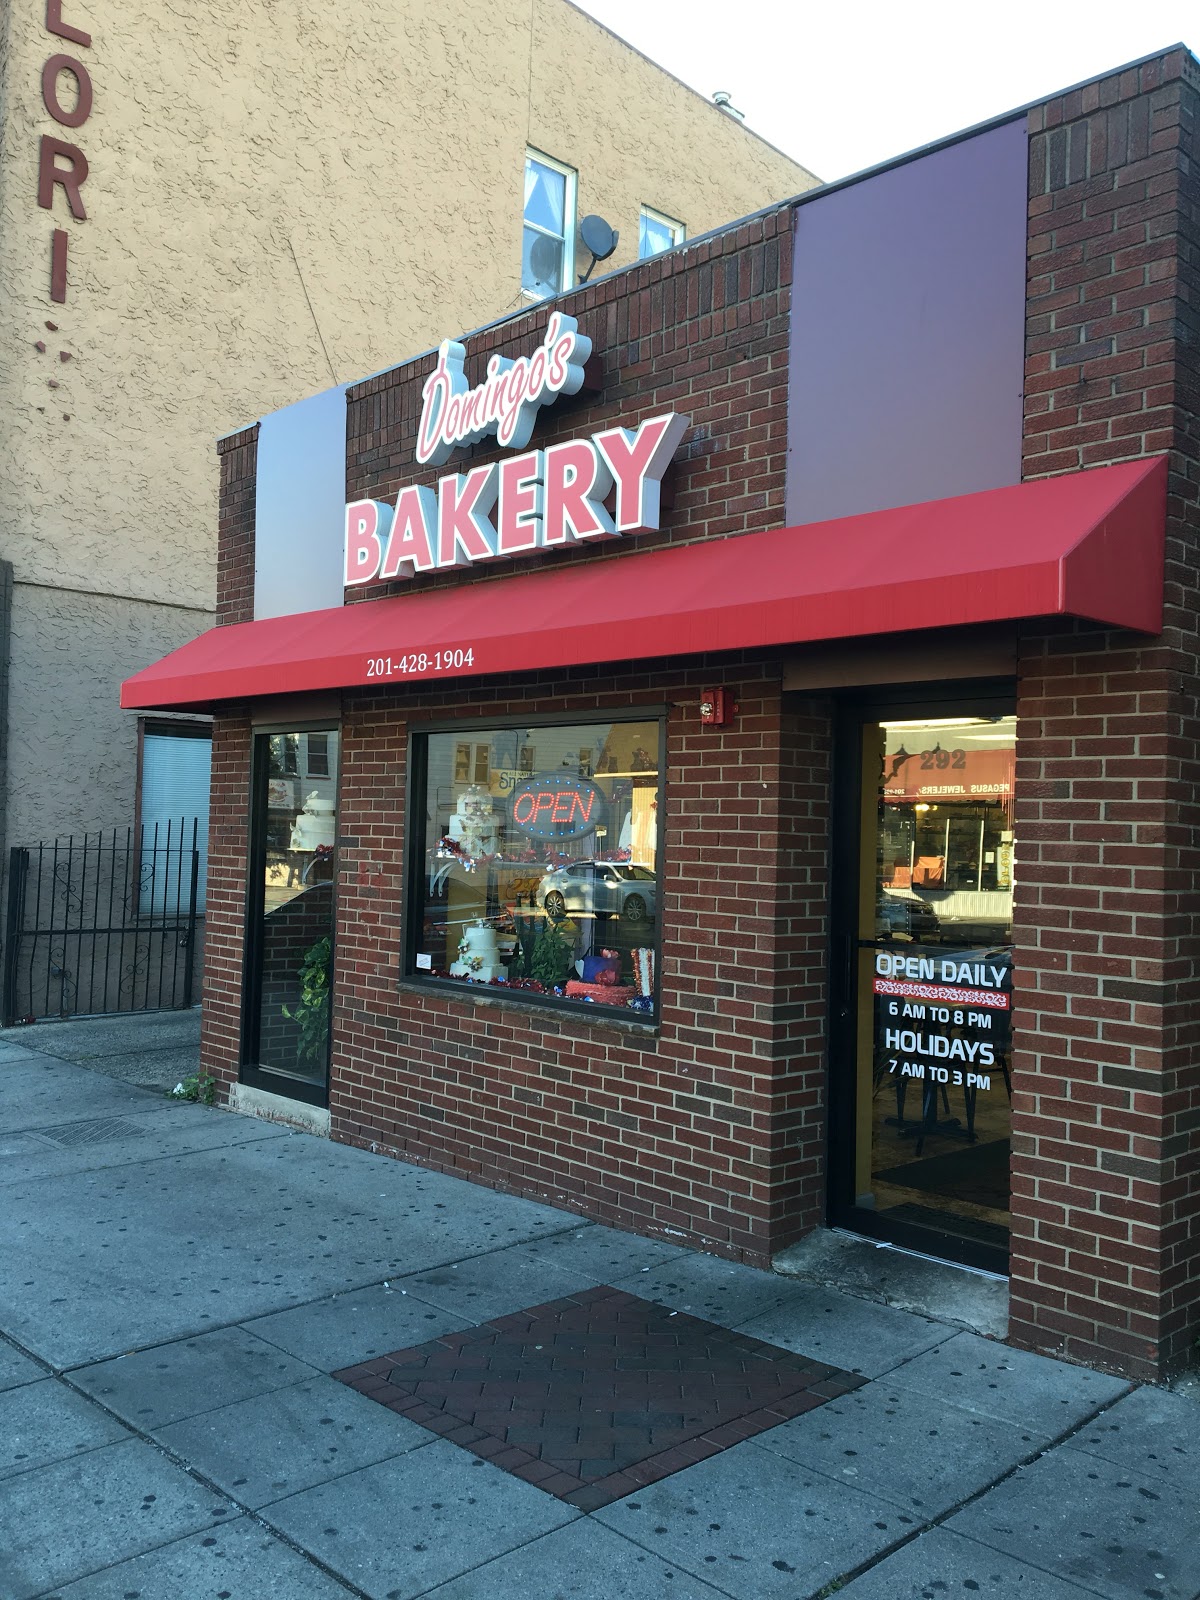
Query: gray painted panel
301, 506
908, 333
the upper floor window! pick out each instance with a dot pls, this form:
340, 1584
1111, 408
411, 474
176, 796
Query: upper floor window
318, 755
657, 232
548, 245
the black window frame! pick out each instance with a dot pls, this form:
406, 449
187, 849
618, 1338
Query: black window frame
853, 710
415, 865
250, 1072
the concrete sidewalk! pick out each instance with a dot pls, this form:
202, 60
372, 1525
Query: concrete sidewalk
177, 1284
153, 1049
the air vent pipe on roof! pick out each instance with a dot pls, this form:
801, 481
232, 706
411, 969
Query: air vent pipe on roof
723, 99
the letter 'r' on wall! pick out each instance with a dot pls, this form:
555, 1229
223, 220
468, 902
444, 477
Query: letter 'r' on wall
71, 177
576, 483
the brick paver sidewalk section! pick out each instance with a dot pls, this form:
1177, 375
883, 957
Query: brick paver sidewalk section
596, 1395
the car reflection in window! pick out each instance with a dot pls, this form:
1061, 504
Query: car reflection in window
905, 917
599, 888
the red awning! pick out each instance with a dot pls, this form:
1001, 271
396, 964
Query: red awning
1087, 544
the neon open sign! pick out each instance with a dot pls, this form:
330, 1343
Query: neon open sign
556, 806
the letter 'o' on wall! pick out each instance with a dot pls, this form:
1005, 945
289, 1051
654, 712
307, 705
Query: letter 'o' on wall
69, 116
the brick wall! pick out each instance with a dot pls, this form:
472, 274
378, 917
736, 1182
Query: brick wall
694, 1128
229, 804
800, 1019
704, 332
238, 453
1106, 1109
680, 1131
229, 793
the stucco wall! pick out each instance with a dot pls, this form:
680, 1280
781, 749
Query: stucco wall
281, 194
71, 747
639, 137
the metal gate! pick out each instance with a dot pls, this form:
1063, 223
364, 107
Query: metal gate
101, 923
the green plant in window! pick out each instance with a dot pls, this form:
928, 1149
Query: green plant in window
311, 1014
552, 957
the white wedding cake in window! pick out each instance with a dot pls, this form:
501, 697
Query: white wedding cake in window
474, 827
314, 826
479, 955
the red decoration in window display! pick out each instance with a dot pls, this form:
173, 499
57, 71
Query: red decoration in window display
606, 994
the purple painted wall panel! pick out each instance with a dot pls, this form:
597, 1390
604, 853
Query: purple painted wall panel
908, 333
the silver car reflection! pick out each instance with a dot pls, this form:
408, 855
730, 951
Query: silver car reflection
599, 888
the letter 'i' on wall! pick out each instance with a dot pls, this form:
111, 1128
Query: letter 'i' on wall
62, 165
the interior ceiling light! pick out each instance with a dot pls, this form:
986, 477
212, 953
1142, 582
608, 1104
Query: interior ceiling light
946, 722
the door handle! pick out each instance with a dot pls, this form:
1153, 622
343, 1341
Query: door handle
846, 962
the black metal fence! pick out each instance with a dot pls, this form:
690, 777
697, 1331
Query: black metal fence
102, 923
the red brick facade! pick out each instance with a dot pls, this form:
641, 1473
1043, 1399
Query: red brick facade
220, 1033
705, 333
713, 1126
235, 526
709, 1127
690, 1129
1106, 1106
694, 1130
225, 914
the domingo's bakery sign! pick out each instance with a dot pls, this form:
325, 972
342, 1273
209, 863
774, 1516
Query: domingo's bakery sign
538, 500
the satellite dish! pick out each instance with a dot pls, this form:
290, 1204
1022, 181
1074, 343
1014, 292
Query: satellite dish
599, 238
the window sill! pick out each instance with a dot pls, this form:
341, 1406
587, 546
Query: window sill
642, 1025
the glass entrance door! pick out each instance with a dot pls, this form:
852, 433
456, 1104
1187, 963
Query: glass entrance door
923, 1067
289, 934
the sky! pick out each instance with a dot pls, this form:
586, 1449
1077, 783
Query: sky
842, 87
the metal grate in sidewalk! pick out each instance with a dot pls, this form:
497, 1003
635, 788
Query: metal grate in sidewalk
100, 1130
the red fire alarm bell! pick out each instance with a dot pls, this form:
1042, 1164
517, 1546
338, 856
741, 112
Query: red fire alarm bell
717, 706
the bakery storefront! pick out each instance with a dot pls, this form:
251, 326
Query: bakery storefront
685, 751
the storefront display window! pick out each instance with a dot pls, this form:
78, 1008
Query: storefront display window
536, 861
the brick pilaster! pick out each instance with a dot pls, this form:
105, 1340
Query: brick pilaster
1106, 1179
238, 454
228, 828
